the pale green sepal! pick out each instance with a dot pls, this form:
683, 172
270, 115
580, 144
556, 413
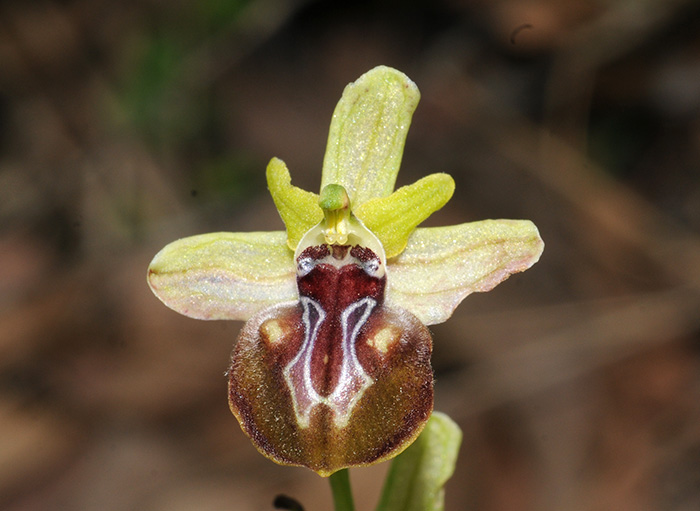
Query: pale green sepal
394, 218
418, 475
442, 265
367, 134
298, 208
224, 275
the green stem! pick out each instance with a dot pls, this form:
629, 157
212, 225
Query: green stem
342, 495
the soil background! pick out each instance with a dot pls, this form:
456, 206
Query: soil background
127, 124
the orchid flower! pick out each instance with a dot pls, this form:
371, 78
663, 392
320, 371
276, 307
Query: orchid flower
332, 368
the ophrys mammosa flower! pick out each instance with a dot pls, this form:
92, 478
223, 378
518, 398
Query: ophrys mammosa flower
332, 368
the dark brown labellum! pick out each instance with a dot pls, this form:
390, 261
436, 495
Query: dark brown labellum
337, 379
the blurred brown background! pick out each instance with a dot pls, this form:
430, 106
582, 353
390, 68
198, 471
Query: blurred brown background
125, 125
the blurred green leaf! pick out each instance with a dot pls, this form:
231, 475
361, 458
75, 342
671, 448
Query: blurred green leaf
417, 476
152, 97
219, 15
231, 177
165, 95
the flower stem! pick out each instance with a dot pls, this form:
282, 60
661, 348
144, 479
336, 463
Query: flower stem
342, 495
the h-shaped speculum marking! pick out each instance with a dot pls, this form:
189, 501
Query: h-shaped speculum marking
352, 381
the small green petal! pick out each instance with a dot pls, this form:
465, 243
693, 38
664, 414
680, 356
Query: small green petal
298, 208
224, 275
392, 219
367, 134
417, 476
442, 265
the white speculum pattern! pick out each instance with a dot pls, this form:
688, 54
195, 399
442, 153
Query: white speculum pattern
352, 378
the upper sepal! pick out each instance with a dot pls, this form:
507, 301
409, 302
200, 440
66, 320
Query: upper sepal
224, 275
368, 132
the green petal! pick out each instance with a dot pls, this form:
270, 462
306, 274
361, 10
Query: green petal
298, 208
367, 134
392, 219
442, 265
418, 475
224, 275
